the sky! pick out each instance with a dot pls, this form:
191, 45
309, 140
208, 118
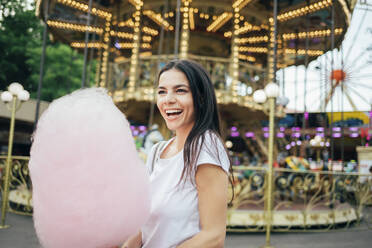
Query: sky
356, 50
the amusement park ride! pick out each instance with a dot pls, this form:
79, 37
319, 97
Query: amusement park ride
235, 41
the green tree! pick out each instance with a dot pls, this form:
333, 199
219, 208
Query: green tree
19, 30
20, 53
63, 70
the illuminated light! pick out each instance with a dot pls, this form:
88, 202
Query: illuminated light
256, 39
146, 38
246, 28
219, 22
126, 45
303, 52
246, 57
136, 3
311, 34
191, 19
78, 44
157, 19
304, 10
74, 27
84, 7
228, 34
123, 35
253, 49
150, 31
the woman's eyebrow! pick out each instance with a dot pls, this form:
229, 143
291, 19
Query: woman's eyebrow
175, 87
180, 85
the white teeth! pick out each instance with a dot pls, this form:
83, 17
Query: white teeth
173, 111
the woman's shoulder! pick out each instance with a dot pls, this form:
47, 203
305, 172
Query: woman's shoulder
212, 140
213, 151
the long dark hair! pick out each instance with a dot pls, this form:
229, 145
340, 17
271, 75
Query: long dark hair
207, 118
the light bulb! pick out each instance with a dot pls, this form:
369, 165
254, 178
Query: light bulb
6, 96
24, 95
259, 96
15, 88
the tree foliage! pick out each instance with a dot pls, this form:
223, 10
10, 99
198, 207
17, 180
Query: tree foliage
20, 53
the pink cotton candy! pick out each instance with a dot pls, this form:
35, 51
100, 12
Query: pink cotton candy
90, 189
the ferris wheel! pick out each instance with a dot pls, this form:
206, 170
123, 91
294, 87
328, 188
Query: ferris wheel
340, 80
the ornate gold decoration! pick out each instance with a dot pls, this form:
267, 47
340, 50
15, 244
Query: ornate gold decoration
20, 190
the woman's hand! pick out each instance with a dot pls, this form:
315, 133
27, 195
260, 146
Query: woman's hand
134, 241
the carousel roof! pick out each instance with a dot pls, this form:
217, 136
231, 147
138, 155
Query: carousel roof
216, 31
211, 26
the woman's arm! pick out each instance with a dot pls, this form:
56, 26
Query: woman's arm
134, 241
211, 183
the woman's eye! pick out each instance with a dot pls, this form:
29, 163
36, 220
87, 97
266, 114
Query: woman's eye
181, 90
160, 92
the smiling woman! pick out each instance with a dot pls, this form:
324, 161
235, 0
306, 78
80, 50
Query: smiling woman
189, 172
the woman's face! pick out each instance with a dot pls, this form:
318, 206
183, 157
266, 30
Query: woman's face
175, 101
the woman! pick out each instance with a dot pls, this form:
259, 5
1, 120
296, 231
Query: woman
189, 173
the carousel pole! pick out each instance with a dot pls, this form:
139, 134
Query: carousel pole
296, 82
94, 39
103, 65
99, 65
234, 62
342, 111
270, 173
160, 51
332, 81
324, 68
83, 79
133, 71
284, 65
177, 31
42, 63
305, 116
185, 34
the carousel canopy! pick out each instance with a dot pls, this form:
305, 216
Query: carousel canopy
234, 40
211, 25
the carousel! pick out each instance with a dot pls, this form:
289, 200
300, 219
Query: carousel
242, 44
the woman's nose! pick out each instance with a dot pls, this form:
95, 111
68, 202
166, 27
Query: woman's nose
170, 98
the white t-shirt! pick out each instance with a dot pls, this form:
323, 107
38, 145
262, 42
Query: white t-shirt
174, 214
